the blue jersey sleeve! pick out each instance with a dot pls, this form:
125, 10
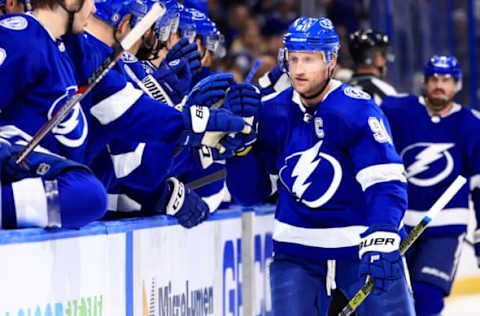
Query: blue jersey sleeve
248, 177
379, 169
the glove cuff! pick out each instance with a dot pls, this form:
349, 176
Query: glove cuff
381, 241
177, 196
199, 116
156, 91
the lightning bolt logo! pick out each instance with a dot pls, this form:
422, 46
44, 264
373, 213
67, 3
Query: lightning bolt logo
304, 168
423, 160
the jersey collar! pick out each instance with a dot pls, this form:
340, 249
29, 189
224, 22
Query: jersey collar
334, 84
455, 108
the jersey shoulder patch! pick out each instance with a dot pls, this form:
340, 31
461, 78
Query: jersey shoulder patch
356, 93
16, 23
3, 55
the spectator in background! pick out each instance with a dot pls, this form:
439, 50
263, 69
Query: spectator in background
283, 13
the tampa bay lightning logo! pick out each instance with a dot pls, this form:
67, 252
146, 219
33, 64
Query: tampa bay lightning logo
355, 93
16, 23
308, 167
427, 163
196, 15
128, 58
73, 130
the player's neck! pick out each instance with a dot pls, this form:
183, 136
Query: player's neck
441, 112
317, 99
55, 21
101, 30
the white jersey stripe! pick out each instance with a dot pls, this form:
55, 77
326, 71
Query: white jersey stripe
380, 173
112, 107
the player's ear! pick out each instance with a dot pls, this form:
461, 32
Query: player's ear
332, 65
124, 27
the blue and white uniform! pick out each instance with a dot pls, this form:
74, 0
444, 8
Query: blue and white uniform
435, 150
338, 172
36, 78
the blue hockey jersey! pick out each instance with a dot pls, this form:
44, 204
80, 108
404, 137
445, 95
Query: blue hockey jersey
435, 150
141, 168
118, 110
36, 78
338, 172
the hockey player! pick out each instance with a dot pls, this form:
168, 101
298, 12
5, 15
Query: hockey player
113, 19
36, 77
369, 53
342, 192
438, 140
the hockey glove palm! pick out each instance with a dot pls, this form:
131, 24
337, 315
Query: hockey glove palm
184, 204
183, 49
170, 82
380, 257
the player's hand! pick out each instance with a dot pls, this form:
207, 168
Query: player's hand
476, 245
183, 49
184, 204
243, 99
209, 90
170, 82
380, 257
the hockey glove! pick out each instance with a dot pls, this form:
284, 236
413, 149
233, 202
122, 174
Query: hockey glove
275, 80
209, 90
184, 204
170, 82
476, 245
243, 99
183, 49
380, 257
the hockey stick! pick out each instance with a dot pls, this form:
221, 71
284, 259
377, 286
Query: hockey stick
203, 181
367, 288
158, 9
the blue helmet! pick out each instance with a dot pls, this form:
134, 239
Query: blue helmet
312, 34
112, 11
187, 26
206, 29
173, 11
446, 65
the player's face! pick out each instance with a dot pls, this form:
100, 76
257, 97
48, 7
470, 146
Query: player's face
440, 92
308, 71
80, 21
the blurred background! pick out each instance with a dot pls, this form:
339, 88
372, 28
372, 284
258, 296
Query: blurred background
417, 29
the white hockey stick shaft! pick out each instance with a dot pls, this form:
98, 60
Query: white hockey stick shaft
157, 10
442, 201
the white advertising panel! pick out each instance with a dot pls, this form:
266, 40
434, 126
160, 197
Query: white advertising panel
190, 272
71, 276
